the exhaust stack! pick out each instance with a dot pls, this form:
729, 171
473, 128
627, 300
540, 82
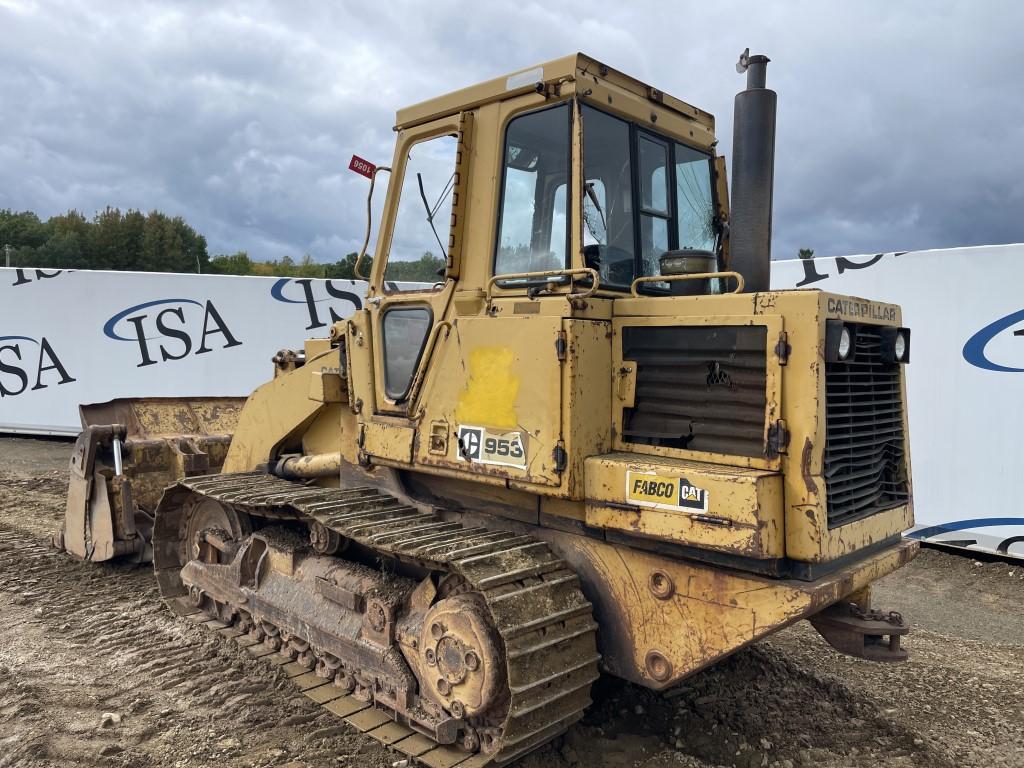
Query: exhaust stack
753, 171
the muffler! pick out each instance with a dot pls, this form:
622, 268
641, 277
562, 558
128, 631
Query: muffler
753, 175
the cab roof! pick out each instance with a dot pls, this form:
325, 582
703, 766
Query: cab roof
576, 67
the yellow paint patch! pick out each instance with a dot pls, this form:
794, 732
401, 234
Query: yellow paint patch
490, 394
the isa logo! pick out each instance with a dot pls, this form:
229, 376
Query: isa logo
311, 293
171, 329
24, 360
991, 340
26, 276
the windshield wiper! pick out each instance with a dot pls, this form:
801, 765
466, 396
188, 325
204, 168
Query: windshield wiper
432, 212
589, 188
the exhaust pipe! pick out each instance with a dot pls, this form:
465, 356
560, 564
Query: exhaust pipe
753, 172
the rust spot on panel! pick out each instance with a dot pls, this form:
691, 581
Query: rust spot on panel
805, 467
764, 302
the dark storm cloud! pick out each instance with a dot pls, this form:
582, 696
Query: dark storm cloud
900, 125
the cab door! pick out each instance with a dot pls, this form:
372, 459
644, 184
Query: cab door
413, 276
493, 404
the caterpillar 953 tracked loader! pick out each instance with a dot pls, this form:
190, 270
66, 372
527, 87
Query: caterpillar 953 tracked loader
598, 442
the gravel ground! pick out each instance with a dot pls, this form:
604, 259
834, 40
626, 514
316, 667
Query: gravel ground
94, 671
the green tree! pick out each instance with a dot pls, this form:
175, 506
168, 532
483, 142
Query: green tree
806, 253
104, 245
70, 223
62, 251
21, 230
309, 268
285, 267
155, 245
344, 269
133, 227
130, 240
427, 269
171, 245
237, 263
193, 255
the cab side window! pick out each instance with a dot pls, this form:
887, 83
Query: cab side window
694, 199
655, 212
532, 233
405, 334
643, 195
419, 241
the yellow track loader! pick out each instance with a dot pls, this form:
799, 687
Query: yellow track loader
599, 442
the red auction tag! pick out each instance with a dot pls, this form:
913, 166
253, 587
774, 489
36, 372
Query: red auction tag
362, 167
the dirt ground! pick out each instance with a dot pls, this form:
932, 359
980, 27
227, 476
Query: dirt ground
94, 671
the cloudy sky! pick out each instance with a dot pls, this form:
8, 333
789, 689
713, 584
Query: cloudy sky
901, 125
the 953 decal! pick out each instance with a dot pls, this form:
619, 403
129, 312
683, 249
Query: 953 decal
481, 445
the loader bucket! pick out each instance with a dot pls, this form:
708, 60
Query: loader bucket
129, 450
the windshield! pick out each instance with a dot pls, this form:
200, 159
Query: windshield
608, 231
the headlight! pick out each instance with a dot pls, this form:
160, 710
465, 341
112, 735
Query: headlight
845, 343
900, 346
895, 345
840, 341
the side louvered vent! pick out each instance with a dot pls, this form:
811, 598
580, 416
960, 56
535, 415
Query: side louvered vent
865, 468
702, 388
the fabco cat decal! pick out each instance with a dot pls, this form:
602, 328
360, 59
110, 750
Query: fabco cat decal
648, 489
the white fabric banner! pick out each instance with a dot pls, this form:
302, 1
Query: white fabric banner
70, 337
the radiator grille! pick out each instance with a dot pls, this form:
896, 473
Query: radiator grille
698, 387
865, 467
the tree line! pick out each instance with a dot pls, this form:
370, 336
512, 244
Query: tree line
155, 242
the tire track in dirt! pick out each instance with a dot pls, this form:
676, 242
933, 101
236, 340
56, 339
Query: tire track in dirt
81, 640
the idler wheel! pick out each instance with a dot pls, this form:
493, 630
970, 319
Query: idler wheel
462, 662
209, 515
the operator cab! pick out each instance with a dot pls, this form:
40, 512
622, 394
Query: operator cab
590, 172
644, 194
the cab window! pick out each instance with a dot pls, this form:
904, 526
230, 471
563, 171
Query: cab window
693, 197
405, 334
608, 232
532, 231
670, 184
655, 213
422, 222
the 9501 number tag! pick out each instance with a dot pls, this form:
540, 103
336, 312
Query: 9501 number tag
481, 445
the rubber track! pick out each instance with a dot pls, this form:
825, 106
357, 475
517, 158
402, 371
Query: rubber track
534, 598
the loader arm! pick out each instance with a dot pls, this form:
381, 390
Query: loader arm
130, 450
283, 407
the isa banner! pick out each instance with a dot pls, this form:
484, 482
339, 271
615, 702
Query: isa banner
71, 337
